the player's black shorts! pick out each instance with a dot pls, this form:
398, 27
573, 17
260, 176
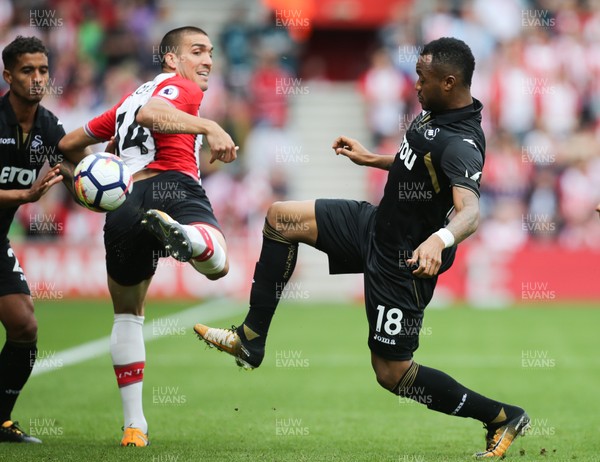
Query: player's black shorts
12, 279
394, 298
132, 253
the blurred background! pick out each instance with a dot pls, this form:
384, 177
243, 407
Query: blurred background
289, 76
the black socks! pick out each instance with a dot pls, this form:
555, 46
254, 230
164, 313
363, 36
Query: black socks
272, 272
16, 363
440, 392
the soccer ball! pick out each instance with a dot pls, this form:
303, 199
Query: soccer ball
102, 182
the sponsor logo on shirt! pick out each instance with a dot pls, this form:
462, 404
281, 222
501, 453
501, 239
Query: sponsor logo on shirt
22, 176
7, 141
406, 154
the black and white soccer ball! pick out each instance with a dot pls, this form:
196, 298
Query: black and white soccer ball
102, 182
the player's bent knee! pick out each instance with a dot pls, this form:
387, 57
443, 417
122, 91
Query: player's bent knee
275, 214
290, 222
214, 268
24, 330
222, 273
389, 373
386, 381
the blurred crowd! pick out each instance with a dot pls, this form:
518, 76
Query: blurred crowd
101, 50
537, 74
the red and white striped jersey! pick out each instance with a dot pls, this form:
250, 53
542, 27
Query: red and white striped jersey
142, 147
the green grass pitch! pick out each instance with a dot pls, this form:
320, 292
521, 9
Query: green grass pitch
315, 397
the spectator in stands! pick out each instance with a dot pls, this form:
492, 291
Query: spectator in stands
385, 90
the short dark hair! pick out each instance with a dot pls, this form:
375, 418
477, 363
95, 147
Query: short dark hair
20, 46
172, 39
453, 53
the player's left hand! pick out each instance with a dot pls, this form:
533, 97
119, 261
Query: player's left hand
43, 185
428, 257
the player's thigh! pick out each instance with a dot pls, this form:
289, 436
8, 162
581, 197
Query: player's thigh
295, 220
345, 230
12, 278
16, 305
128, 299
395, 318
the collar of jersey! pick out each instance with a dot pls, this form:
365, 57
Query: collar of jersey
456, 115
11, 118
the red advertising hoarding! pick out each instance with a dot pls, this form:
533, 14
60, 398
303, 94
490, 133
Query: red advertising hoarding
481, 276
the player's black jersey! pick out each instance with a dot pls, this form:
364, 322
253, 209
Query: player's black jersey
438, 151
21, 158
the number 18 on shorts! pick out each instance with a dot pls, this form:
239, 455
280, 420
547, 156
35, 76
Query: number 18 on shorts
394, 333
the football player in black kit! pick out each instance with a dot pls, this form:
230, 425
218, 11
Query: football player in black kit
430, 204
29, 135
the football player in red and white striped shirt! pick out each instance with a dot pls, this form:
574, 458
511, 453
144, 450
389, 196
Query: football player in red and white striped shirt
158, 133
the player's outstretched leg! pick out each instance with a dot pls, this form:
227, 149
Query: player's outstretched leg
287, 224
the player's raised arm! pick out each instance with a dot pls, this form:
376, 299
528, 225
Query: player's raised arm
222, 146
358, 154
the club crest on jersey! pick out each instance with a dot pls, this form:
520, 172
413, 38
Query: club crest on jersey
430, 133
169, 91
37, 143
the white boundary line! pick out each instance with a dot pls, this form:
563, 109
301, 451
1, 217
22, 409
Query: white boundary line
206, 313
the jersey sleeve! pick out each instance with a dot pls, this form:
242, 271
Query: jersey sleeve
462, 163
183, 94
103, 127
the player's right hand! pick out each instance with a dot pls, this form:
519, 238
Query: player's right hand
43, 185
427, 257
352, 149
221, 145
